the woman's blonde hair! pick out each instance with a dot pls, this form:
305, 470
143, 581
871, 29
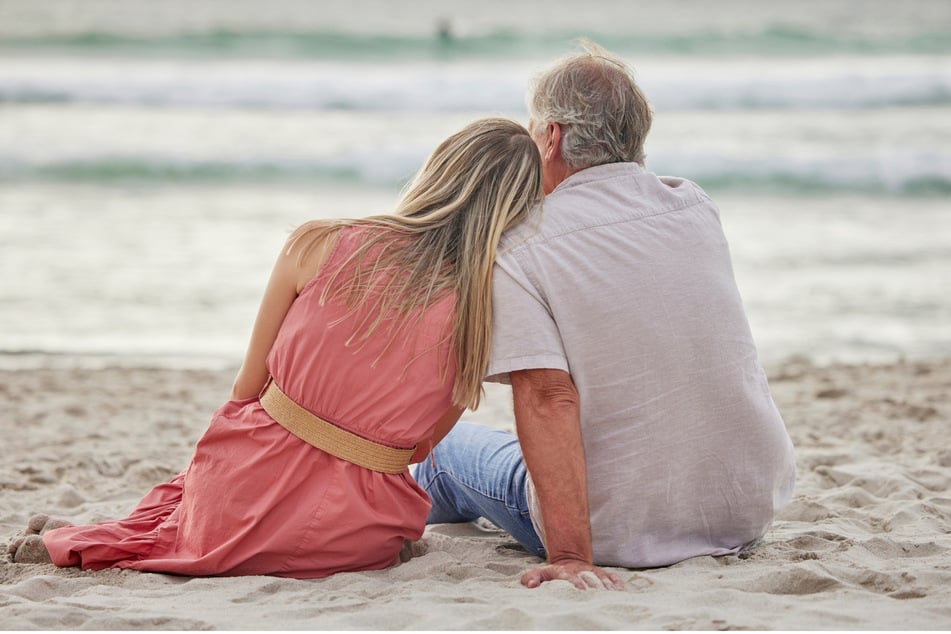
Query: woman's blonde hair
442, 239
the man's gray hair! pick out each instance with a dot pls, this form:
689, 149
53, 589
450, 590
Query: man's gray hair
604, 116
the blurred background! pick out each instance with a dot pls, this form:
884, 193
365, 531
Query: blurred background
154, 155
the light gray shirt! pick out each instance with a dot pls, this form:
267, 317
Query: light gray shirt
625, 282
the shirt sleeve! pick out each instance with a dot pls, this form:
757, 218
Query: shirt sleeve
524, 333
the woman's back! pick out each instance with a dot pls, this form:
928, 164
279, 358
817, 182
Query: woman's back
387, 389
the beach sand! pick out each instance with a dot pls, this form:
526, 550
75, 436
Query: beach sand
865, 543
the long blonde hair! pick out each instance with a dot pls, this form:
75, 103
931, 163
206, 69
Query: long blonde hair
442, 239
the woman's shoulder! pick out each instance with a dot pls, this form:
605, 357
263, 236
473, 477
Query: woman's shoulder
346, 229
324, 235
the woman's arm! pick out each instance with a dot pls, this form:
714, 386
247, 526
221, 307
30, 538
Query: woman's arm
289, 276
443, 426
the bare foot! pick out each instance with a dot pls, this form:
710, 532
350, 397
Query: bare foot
41, 522
32, 550
36, 524
413, 549
15, 545
29, 547
54, 523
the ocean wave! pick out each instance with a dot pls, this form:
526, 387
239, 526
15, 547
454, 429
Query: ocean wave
917, 175
486, 87
777, 39
108, 171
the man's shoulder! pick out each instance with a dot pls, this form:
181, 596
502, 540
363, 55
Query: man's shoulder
628, 183
601, 196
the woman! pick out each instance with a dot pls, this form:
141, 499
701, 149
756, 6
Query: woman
371, 340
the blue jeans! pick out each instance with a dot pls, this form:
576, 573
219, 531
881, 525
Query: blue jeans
479, 472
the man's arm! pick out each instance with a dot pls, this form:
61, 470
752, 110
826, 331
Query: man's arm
547, 418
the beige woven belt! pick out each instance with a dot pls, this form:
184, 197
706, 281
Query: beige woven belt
330, 438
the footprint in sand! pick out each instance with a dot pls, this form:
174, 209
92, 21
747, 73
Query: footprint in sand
28, 548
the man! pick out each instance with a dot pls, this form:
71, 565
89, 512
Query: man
646, 431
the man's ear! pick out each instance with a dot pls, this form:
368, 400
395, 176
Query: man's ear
552, 141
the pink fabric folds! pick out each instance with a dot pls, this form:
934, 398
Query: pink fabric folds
256, 500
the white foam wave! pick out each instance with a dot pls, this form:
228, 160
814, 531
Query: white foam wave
483, 87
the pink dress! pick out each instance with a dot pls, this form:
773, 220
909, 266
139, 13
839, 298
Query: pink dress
256, 500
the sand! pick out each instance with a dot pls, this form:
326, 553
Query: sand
865, 543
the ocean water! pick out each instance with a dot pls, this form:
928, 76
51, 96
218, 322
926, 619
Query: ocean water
154, 156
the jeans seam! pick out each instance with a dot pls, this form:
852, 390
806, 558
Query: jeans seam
469, 487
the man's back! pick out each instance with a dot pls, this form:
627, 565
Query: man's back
626, 283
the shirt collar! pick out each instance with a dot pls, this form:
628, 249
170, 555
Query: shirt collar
597, 173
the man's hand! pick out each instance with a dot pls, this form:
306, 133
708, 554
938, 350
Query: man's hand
581, 574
